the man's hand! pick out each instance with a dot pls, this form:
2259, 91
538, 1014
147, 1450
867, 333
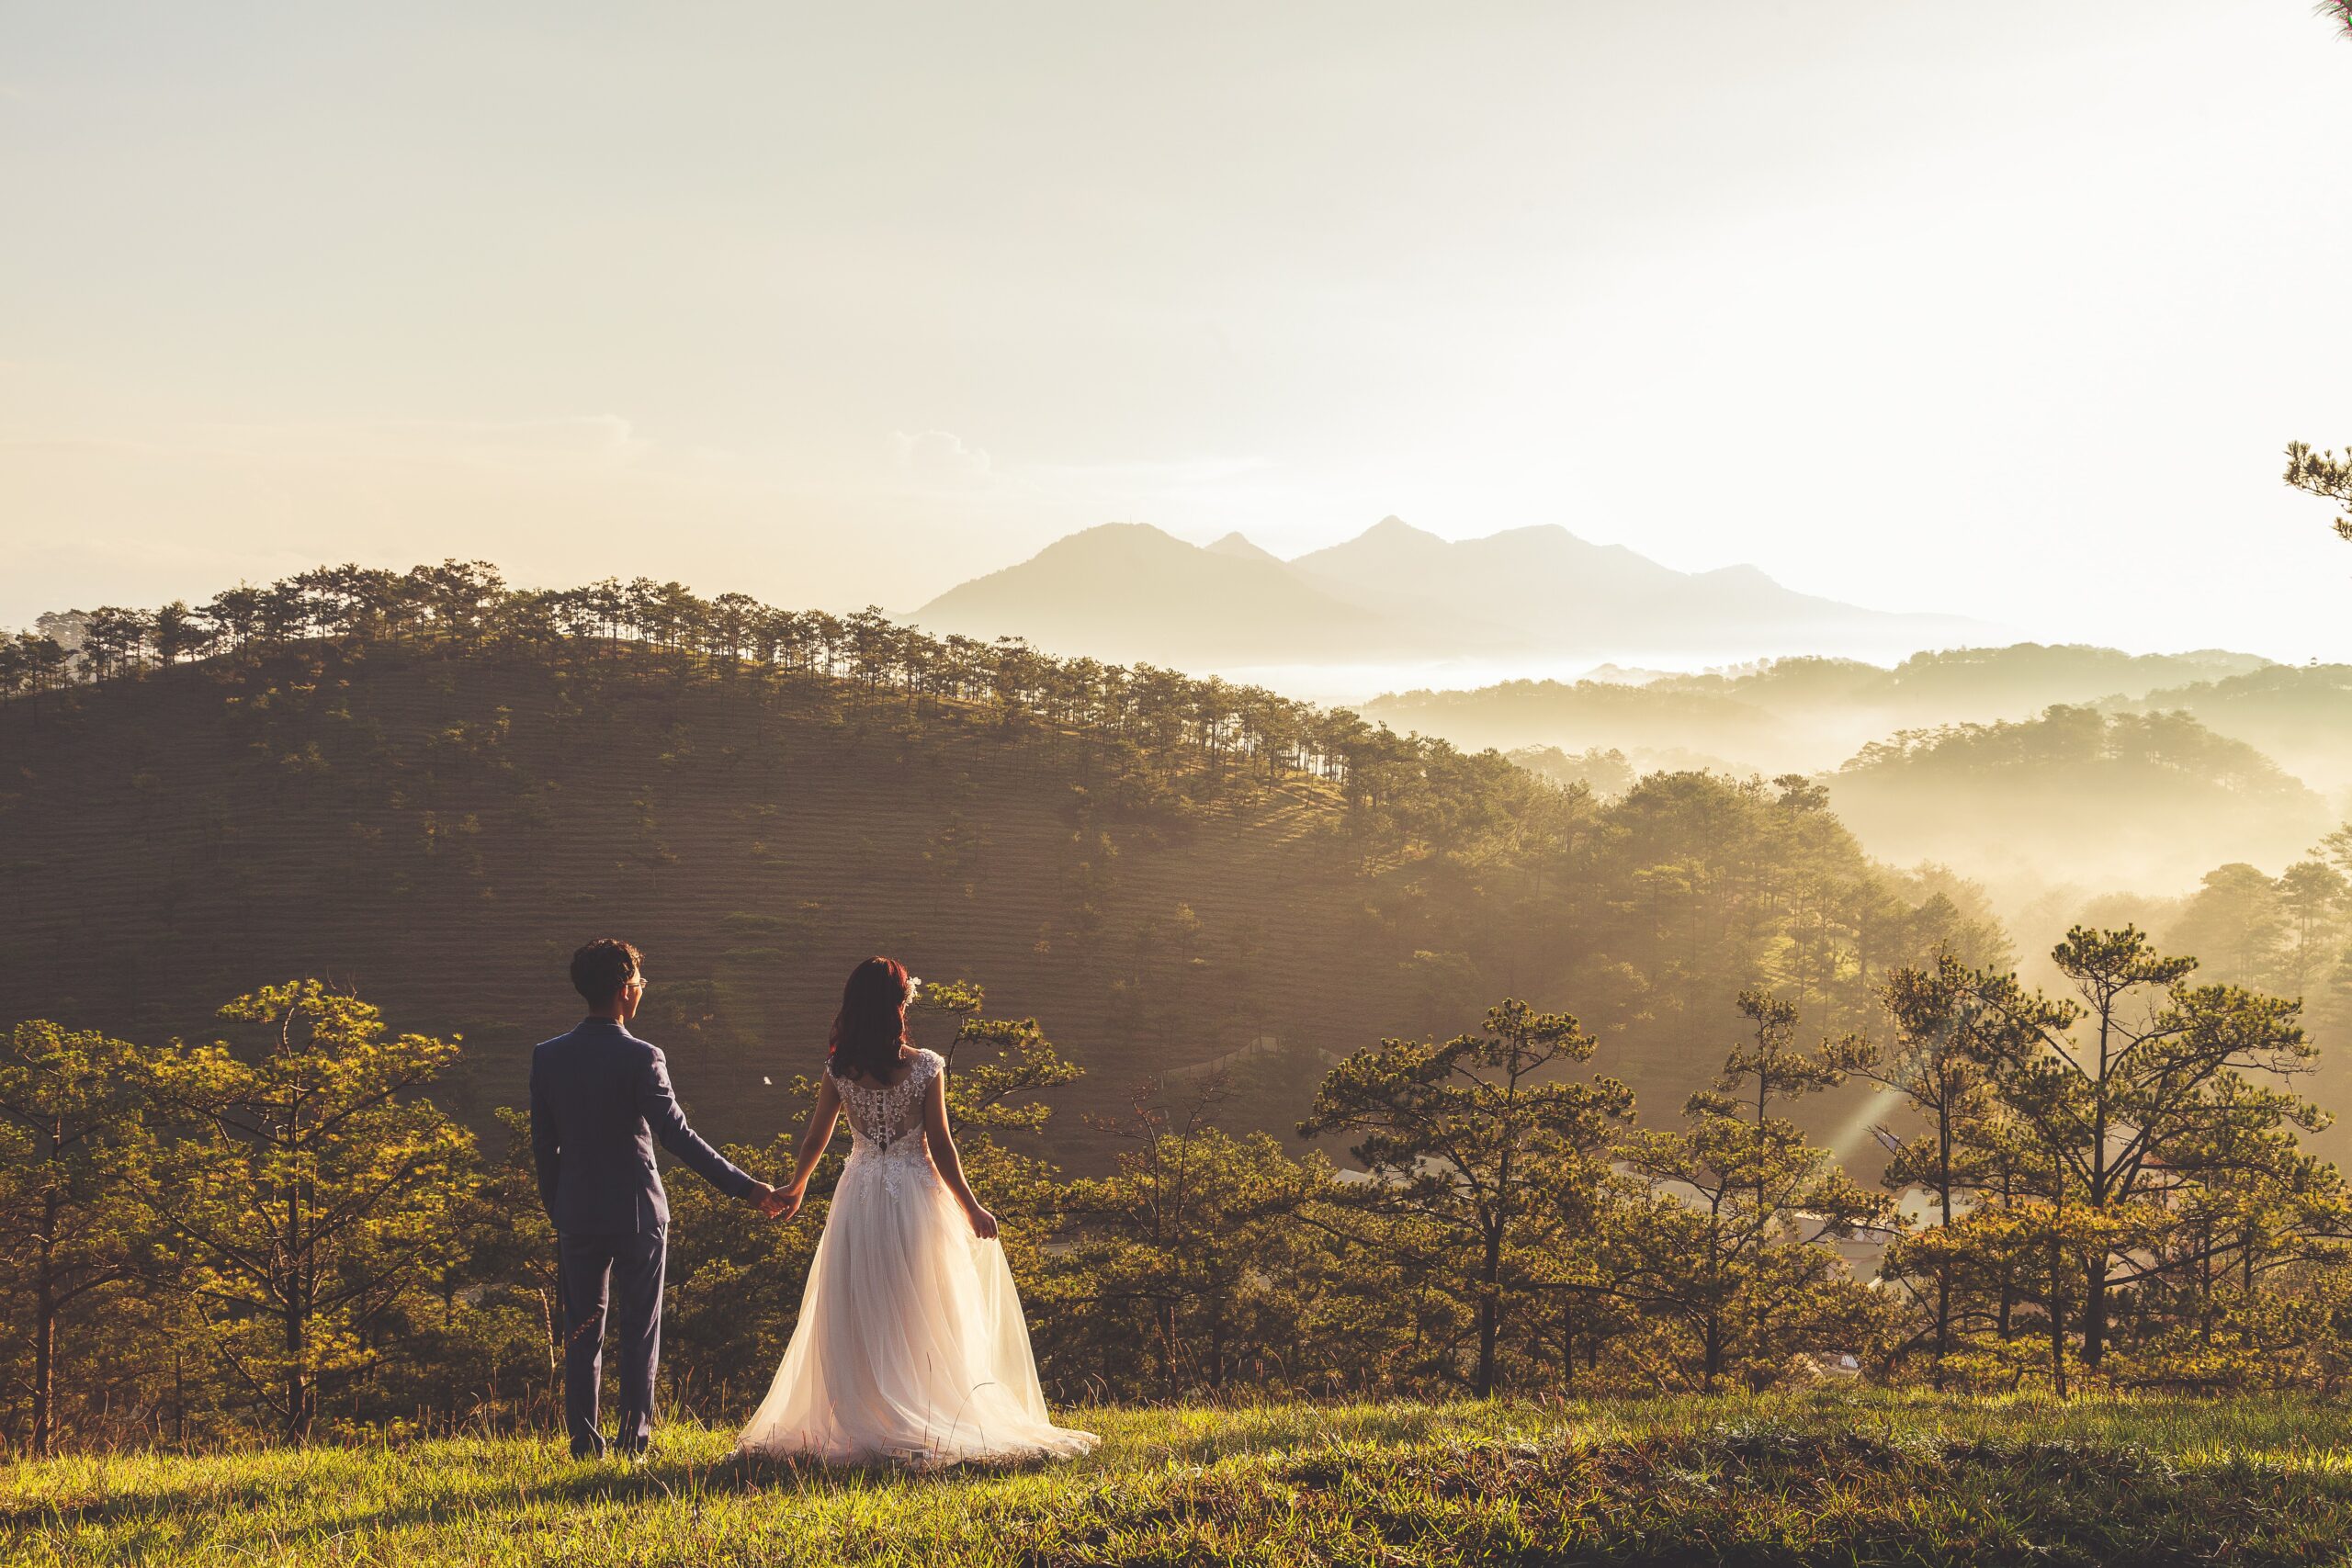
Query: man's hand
773, 1202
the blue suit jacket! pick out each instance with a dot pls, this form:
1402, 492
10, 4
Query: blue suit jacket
599, 1098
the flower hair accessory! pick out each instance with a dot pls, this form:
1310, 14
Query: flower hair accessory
914, 988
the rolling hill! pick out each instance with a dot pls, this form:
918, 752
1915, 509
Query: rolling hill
435, 820
1809, 713
427, 788
439, 836
2301, 715
2116, 801
2026, 768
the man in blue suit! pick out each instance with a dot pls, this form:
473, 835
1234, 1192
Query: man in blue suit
599, 1098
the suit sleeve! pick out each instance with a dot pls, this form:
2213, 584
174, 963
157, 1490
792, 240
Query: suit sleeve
658, 1105
546, 1149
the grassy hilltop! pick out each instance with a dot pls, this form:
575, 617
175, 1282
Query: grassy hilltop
1822, 1479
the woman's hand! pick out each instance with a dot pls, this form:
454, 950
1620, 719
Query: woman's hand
788, 1204
983, 1223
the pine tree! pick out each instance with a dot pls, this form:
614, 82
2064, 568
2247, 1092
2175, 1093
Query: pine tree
75, 1143
1185, 1259
2122, 1087
1723, 1239
1937, 1062
2323, 474
313, 1188
1464, 1139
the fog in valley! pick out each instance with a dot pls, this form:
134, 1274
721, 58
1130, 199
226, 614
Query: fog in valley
2202, 795
2054, 775
2036, 769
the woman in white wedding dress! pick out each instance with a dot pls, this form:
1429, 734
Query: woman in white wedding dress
910, 1344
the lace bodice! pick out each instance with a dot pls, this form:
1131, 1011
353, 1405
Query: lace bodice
885, 1121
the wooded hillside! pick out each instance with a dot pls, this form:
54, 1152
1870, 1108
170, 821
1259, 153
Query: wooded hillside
431, 787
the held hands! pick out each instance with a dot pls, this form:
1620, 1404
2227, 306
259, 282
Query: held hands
782, 1203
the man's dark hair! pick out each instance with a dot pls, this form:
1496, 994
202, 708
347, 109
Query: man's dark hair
600, 969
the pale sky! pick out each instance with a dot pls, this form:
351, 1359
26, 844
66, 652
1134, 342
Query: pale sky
2002, 309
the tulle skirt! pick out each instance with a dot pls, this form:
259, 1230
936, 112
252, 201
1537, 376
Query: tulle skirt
910, 1346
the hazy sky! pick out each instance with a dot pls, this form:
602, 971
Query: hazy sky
2004, 309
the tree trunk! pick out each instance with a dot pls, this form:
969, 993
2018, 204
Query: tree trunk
2094, 1310
300, 1396
45, 1334
2205, 1288
1943, 1194
1164, 1314
2008, 1273
1943, 1321
298, 1383
1487, 1326
2057, 1321
2094, 1263
1490, 1306
2246, 1284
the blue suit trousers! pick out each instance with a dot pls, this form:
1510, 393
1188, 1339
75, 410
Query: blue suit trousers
623, 1271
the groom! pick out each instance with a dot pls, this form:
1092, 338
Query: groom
599, 1098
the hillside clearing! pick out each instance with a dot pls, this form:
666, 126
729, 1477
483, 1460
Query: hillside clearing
1847, 1479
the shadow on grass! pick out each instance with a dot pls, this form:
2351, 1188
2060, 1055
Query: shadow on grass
567, 1483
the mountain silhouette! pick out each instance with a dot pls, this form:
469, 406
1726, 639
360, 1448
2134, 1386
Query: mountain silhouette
1129, 590
1235, 545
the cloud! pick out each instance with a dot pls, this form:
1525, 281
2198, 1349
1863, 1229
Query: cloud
938, 458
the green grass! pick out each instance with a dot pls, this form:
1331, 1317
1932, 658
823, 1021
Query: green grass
1830, 1479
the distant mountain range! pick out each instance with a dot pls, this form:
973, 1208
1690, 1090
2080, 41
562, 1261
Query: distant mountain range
1129, 590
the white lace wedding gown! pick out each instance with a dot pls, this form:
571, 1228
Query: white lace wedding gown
910, 1344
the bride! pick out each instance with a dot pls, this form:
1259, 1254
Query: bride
910, 1344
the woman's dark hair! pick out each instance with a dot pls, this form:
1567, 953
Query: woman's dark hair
872, 1023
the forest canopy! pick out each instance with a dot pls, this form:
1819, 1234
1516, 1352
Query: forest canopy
1271, 962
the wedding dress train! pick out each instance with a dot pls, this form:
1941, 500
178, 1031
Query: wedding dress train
910, 1344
